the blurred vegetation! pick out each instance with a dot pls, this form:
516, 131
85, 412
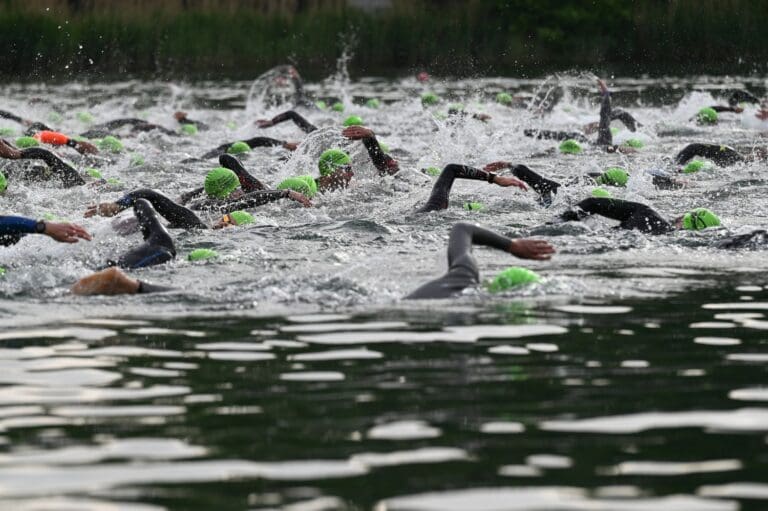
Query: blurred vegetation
239, 39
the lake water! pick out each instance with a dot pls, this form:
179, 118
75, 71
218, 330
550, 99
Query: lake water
288, 374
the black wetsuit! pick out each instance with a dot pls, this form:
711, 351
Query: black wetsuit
741, 96
632, 215
252, 143
137, 125
32, 127
200, 125
384, 163
298, 120
441, 190
62, 170
158, 247
177, 215
720, 154
462, 267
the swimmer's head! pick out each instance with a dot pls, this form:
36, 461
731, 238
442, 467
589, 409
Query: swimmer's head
373, 103
432, 171
429, 98
238, 218
3, 183
221, 182
601, 193
570, 146
305, 185
694, 166
332, 159
110, 144
239, 148
338, 107
474, 206
634, 143
513, 276
707, 115
137, 160
321, 105
700, 218
353, 120
614, 176
189, 129
94, 173
504, 98
202, 254
85, 117
25, 142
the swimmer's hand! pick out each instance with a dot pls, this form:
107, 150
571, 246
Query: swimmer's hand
603, 87
505, 181
103, 209
180, 116
291, 146
65, 232
300, 198
264, 123
482, 117
83, 147
111, 281
497, 165
762, 114
531, 249
357, 132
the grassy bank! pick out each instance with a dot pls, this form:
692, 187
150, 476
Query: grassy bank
454, 38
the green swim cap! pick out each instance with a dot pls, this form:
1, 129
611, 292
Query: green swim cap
113, 181
95, 173
189, 129
338, 107
601, 193
24, 142
305, 185
634, 142
55, 117
331, 159
512, 277
570, 146
110, 144
459, 107
707, 115
137, 160
429, 98
432, 171
221, 182
384, 147
241, 217
615, 131
614, 176
322, 105
202, 254
7, 132
373, 103
353, 120
504, 98
239, 148
474, 206
232, 125
2, 271
694, 166
3, 183
85, 117
700, 218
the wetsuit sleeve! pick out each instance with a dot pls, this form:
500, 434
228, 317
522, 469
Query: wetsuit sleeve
554, 135
301, 122
68, 175
13, 228
720, 154
253, 200
604, 135
438, 199
464, 235
146, 287
380, 159
754, 239
13, 117
200, 125
177, 215
721, 108
540, 184
632, 215
252, 142
625, 118
248, 182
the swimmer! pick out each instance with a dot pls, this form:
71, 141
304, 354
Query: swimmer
158, 247
184, 120
55, 138
462, 267
383, 162
721, 155
303, 124
30, 125
61, 169
137, 126
13, 228
241, 146
113, 281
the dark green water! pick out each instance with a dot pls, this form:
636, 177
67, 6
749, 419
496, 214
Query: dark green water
226, 416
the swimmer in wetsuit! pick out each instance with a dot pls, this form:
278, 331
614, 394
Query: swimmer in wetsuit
13, 228
721, 155
251, 143
158, 247
61, 169
462, 267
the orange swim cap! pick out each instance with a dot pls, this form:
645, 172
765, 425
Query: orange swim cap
51, 137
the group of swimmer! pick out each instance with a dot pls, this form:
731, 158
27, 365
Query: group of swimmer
230, 190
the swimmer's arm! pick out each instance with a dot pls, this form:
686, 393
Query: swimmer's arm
290, 115
64, 232
604, 135
615, 209
267, 142
720, 154
256, 199
12, 117
464, 235
384, 163
182, 119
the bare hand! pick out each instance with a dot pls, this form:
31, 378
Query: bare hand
482, 117
762, 114
531, 249
291, 146
83, 147
103, 209
357, 132
65, 232
300, 198
264, 123
180, 116
505, 181
497, 165
603, 86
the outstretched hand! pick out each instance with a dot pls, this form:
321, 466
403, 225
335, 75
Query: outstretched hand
357, 132
603, 86
505, 181
264, 123
497, 165
103, 209
84, 147
66, 232
300, 198
531, 249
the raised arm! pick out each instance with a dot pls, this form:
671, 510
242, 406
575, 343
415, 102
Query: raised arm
604, 135
290, 115
720, 154
177, 215
383, 162
438, 199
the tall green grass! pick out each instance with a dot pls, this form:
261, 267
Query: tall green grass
449, 37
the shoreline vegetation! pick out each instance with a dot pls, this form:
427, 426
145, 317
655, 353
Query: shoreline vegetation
239, 39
